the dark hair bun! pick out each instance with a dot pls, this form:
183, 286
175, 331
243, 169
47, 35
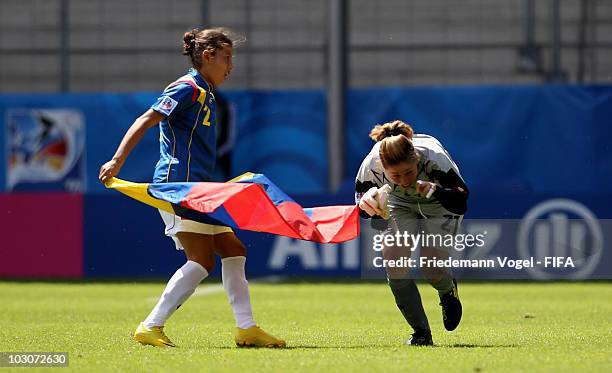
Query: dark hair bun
189, 42
390, 129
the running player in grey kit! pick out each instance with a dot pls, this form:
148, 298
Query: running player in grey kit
412, 181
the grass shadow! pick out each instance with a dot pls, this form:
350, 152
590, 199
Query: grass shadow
470, 345
367, 346
306, 347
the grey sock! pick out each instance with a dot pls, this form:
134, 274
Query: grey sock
408, 301
444, 285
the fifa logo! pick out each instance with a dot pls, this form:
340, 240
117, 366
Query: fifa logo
557, 232
46, 150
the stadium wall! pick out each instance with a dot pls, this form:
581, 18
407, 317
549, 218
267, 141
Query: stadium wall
130, 46
518, 147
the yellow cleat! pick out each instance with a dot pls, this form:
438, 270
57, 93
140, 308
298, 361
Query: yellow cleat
154, 336
255, 337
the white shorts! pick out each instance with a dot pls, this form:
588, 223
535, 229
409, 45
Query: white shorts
175, 224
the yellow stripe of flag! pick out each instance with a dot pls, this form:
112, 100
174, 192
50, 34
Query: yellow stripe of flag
138, 191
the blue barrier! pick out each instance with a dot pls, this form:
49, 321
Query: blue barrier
132, 244
534, 139
531, 139
516, 146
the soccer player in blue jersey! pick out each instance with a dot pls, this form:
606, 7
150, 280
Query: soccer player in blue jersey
411, 180
185, 112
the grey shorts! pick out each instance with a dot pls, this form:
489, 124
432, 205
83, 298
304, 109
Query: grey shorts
435, 223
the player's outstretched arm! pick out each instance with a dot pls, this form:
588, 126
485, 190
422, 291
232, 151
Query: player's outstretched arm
130, 139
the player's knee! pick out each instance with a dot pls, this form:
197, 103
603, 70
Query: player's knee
397, 273
209, 266
229, 246
398, 283
236, 250
435, 275
206, 261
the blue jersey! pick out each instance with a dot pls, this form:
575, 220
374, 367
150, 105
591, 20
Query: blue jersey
187, 135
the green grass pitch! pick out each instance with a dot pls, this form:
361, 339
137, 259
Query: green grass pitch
506, 327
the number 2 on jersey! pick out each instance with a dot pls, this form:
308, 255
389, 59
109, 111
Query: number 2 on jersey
206, 121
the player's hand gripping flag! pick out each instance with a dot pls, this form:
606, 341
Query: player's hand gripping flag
250, 202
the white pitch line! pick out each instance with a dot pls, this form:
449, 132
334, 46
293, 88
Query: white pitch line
208, 290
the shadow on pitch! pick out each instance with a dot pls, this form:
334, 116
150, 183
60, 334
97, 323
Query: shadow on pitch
305, 347
469, 345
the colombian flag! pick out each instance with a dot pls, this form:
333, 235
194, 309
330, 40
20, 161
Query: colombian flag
250, 202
